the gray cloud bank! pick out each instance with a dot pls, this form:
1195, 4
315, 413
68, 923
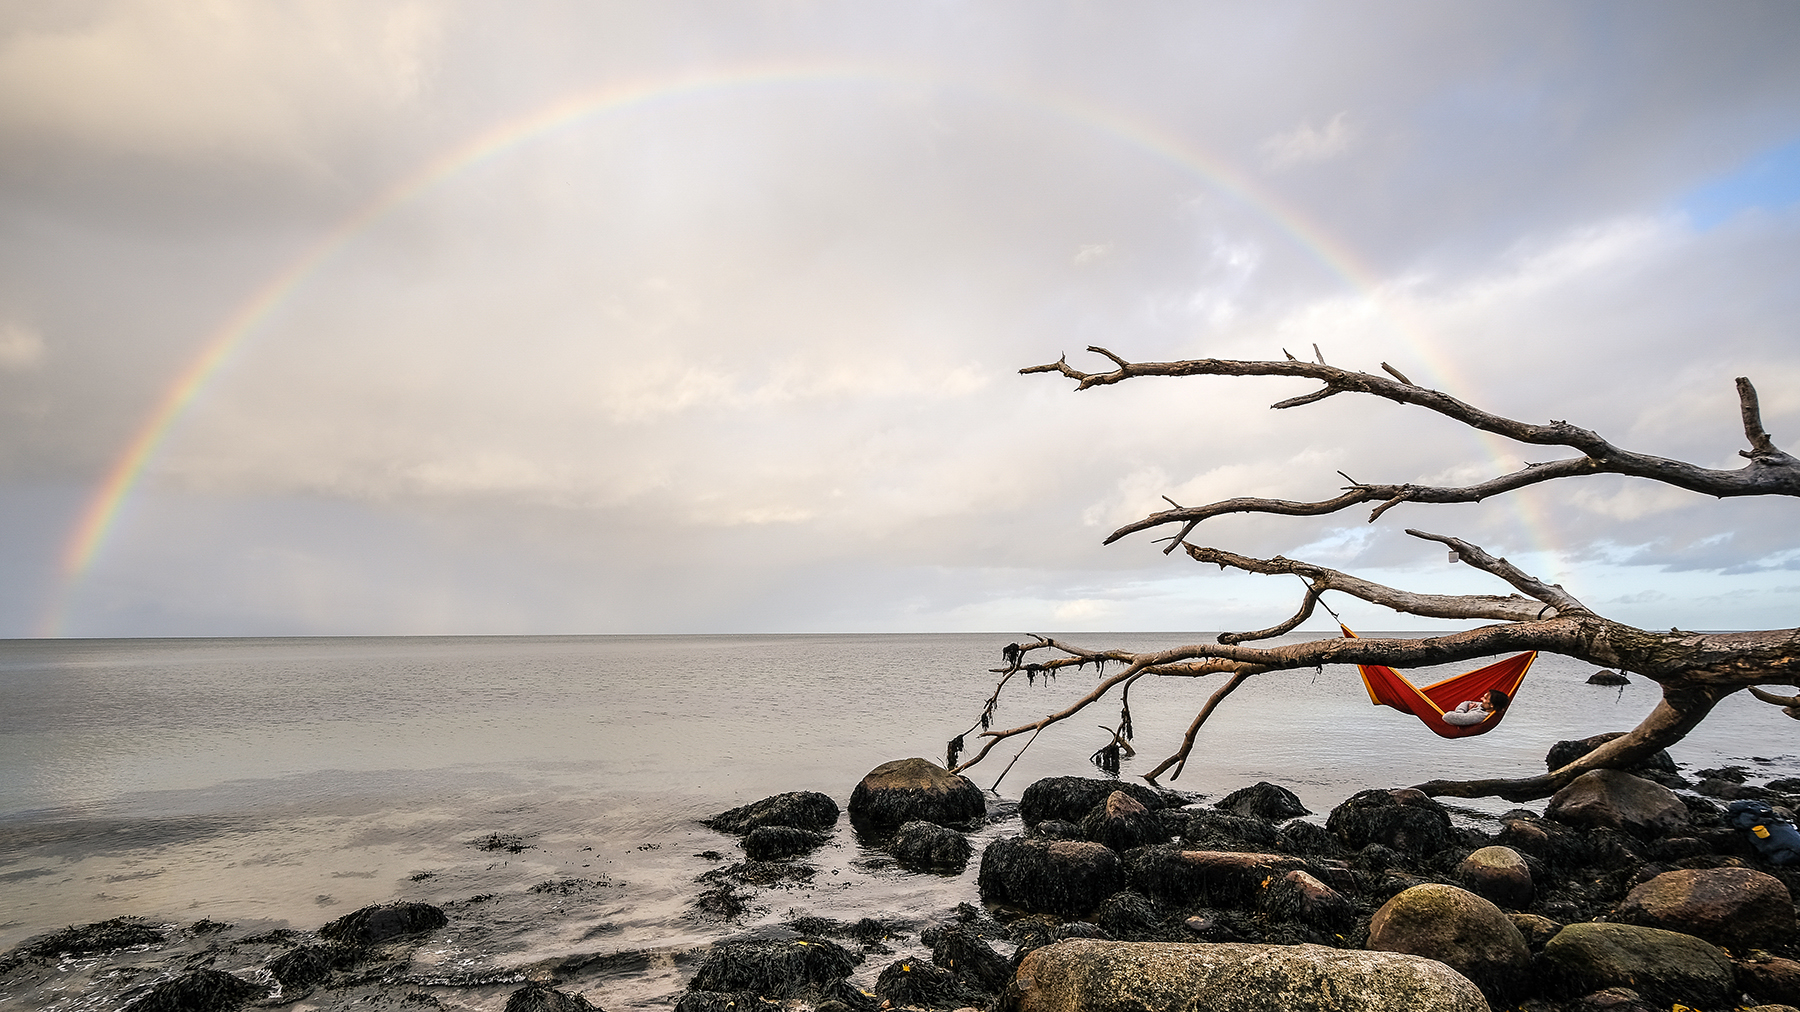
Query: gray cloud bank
733, 345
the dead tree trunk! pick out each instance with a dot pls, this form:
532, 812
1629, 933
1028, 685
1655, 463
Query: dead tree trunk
1695, 670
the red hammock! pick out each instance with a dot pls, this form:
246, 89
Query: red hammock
1388, 687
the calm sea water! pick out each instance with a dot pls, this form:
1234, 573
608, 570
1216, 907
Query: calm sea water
293, 780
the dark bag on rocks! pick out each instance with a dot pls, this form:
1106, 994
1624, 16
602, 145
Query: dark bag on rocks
1773, 837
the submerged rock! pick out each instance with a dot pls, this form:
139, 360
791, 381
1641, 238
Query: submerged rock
905, 790
373, 925
539, 997
1263, 800
100, 936
807, 810
1091, 976
200, 991
772, 843
1608, 678
927, 846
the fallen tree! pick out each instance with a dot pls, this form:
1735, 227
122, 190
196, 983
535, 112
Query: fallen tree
1694, 670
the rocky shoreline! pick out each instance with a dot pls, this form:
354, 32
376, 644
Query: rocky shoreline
1623, 895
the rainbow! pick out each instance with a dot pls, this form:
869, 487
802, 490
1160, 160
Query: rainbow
101, 513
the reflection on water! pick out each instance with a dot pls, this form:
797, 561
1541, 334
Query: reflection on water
297, 779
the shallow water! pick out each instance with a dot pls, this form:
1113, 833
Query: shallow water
290, 781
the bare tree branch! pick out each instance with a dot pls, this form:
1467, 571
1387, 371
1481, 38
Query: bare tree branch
1770, 471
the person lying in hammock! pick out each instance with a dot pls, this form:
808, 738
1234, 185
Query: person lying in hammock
1475, 711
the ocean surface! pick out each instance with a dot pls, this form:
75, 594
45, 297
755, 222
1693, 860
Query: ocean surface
290, 781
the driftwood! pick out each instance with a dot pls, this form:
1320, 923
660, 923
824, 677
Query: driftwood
1695, 670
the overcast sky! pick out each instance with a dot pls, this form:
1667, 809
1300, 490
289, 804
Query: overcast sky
668, 317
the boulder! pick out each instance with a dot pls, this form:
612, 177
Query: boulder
1068, 878
1565, 752
808, 810
1608, 678
100, 936
1666, 967
1122, 822
1498, 874
1297, 896
200, 991
1770, 978
1211, 877
1056, 829
1609, 799
773, 968
1731, 907
927, 846
382, 922
540, 997
772, 843
1072, 798
1263, 800
1455, 927
1407, 820
905, 790
972, 960
1082, 975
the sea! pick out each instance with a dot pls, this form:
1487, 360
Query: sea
284, 782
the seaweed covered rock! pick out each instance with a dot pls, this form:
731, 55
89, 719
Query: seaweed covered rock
1666, 967
1091, 976
807, 810
1301, 837
772, 843
905, 790
1406, 820
1609, 799
1129, 914
100, 936
1457, 928
915, 983
200, 991
1263, 800
1122, 822
540, 997
1212, 877
1067, 878
1726, 906
1210, 830
1298, 896
1498, 874
383, 922
927, 846
773, 968
302, 966
1072, 798
970, 959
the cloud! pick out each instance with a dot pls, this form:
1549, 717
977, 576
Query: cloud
21, 348
1307, 143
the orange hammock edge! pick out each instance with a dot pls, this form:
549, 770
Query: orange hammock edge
1387, 687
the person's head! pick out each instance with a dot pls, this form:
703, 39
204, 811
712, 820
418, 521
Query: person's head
1497, 700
